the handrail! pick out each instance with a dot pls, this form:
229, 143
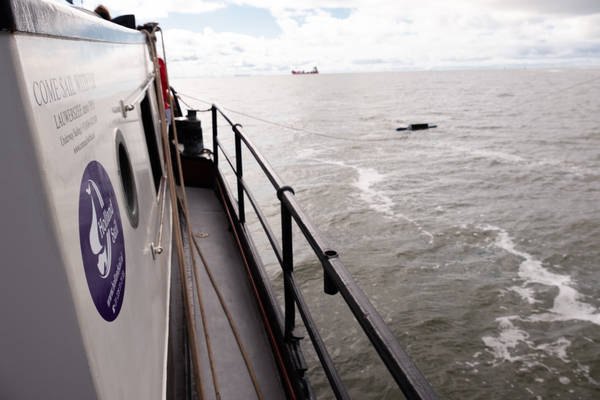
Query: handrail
336, 277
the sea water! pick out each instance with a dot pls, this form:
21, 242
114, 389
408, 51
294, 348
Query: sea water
477, 241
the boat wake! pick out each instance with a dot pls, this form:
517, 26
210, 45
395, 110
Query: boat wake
504, 346
381, 202
376, 199
512, 343
568, 304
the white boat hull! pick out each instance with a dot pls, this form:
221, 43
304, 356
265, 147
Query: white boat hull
62, 117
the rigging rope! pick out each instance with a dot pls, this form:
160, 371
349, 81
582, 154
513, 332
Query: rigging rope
278, 356
289, 127
190, 239
190, 322
188, 105
231, 322
193, 241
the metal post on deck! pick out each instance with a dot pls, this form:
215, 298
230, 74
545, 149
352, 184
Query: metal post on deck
213, 110
240, 174
288, 269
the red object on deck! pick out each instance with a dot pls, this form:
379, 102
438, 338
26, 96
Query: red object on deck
163, 82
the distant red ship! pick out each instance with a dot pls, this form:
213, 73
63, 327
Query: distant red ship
314, 71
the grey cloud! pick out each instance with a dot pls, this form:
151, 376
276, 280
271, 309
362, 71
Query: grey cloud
592, 50
573, 7
368, 61
545, 52
466, 60
186, 58
535, 52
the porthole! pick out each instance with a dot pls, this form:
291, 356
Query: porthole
127, 180
151, 140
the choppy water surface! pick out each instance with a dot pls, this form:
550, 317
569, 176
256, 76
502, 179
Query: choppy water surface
478, 241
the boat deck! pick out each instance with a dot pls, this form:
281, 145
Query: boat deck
210, 226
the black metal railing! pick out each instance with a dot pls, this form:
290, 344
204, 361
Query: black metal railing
336, 276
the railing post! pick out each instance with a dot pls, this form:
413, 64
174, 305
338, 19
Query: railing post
288, 269
213, 109
240, 174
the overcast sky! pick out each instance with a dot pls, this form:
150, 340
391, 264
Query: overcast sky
234, 37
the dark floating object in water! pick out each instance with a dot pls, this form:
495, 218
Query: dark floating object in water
416, 127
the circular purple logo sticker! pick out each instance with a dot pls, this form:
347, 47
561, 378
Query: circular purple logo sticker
101, 240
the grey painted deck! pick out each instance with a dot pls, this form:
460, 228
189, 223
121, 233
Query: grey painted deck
211, 228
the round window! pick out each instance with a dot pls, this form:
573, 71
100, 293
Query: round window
127, 180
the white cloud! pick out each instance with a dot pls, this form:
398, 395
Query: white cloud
387, 35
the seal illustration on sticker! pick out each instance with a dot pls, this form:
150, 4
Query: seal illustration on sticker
101, 240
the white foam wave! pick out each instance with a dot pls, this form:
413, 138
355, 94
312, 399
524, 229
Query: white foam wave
509, 338
526, 293
557, 348
513, 344
367, 178
568, 304
378, 200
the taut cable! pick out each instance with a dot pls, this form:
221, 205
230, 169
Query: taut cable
190, 321
190, 237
